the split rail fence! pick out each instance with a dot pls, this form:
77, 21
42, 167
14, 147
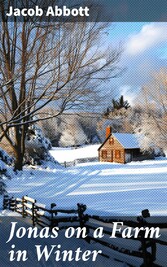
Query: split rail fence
51, 217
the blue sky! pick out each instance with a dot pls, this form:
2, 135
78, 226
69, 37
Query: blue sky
144, 53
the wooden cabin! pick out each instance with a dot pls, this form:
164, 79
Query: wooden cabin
120, 147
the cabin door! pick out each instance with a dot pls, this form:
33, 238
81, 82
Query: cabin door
111, 157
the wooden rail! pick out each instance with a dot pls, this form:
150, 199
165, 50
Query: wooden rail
143, 243
43, 216
63, 218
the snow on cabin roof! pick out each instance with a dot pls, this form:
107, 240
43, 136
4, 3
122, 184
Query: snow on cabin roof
127, 140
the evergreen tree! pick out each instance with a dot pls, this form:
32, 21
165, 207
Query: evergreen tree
37, 146
5, 171
120, 103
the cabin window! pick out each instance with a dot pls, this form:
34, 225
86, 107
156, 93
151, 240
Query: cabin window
117, 154
104, 154
111, 141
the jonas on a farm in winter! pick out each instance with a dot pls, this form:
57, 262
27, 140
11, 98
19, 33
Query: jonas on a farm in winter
69, 255
79, 232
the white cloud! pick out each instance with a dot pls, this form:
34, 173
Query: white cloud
128, 93
151, 35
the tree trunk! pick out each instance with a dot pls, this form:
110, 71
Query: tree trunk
19, 148
18, 160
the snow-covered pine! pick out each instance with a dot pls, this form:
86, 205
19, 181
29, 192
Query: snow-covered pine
5, 157
37, 146
3, 172
6, 171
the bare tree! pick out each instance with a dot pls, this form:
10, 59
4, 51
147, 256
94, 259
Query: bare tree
44, 63
153, 118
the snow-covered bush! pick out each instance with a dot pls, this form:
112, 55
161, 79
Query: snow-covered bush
37, 146
6, 171
5, 157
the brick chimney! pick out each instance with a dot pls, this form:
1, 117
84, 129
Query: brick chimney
108, 131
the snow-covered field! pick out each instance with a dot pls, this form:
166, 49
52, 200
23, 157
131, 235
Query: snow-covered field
70, 154
106, 188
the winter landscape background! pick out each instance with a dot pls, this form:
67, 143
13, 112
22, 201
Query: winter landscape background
60, 87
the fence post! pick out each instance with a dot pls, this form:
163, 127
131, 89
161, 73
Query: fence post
16, 203
33, 213
23, 207
12, 204
52, 205
148, 258
83, 218
81, 209
5, 202
144, 249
